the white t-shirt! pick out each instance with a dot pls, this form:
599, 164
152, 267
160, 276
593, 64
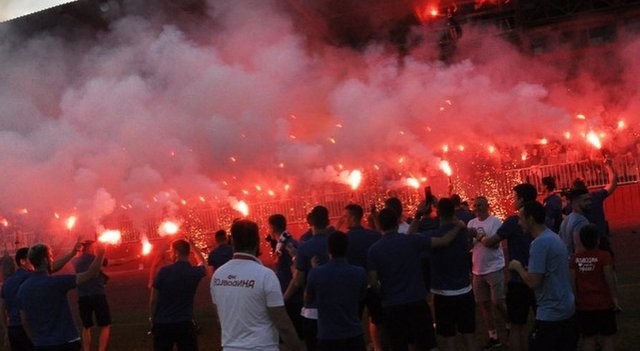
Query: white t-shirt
243, 289
486, 260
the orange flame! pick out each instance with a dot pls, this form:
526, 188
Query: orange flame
567, 135
413, 182
71, 222
544, 141
242, 207
445, 148
168, 227
621, 124
461, 147
354, 179
445, 167
581, 116
524, 156
491, 149
110, 236
146, 246
593, 139
5, 222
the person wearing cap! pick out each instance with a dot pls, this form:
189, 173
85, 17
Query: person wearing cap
44, 307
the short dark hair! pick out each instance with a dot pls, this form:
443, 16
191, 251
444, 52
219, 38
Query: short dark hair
181, 247
526, 191
576, 193
456, 199
446, 208
278, 222
245, 235
395, 204
221, 234
534, 209
21, 254
37, 254
388, 219
338, 243
589, 236
319, 217
355, 210
549, 182
579, 184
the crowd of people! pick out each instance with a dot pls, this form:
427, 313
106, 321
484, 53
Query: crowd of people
405, 281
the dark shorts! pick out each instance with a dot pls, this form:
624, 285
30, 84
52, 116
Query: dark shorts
94, 304
592, 323
409, 324
554, 336
293, 310
182, 334
373, 302
351, 344
18, 339
72, 346
455, 313
520, 300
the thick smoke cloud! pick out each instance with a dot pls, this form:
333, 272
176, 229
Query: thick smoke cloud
152, 111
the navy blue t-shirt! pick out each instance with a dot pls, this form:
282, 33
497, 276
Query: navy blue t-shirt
450, 266
285, 261
396, 258
360, 240
553, 212
338, 288
220, 255
306, 236
518, 243
95, 286
596, 215
43, 298
10, 295
464, 215
177, 284
316, 246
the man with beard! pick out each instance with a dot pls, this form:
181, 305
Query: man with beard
571, 225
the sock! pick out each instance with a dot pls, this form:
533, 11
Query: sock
493, 334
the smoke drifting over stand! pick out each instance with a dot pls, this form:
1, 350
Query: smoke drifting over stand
242, 100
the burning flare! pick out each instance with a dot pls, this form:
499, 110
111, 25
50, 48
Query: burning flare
110, 236
413, 182
71, 222
446, 168
354, 179
241, 207
168, 227
146, 246
593, 139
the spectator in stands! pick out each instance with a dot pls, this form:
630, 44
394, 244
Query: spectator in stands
596, 216
548, 275
573, 223
338, 288
247, 298
222, 253
171, 304
596, 292
488, 270
519, 298
394, 270
451, 287
44, 307
461, 213
552, 204
360, 240
315, 249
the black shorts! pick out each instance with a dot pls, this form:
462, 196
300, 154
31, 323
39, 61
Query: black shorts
601, 322
455, 313
351, 344
409, 324
181, 334
71, 346
554, 336
18, 339
94, 304
373, 302
520, 299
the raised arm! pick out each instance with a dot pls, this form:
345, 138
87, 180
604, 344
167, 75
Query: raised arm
613, 176
94, 268
59, 263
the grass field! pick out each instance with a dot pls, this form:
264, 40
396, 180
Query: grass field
128, 297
